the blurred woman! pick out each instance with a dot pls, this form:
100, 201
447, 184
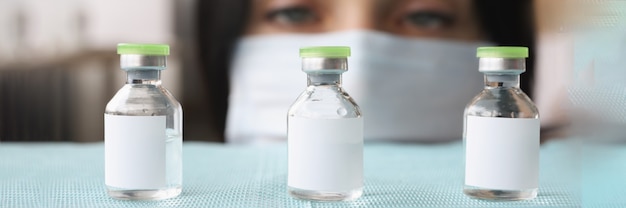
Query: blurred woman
412, 71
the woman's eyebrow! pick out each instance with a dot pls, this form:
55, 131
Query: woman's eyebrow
385, 4
383, 7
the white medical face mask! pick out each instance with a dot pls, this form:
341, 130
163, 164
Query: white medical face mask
408, 89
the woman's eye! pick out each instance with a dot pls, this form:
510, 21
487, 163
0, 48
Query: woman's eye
292, 15
429, 20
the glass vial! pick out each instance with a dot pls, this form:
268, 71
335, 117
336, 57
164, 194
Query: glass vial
501, 132
325, 131
143, 129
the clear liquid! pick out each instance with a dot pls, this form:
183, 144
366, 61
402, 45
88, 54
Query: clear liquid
325, 195
325, 158
174, 168
501, 98
494, 194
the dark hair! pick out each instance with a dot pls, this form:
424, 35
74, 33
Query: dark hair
221, 22
510, 23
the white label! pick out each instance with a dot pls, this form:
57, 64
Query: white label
134, 151
325, 154
502, 153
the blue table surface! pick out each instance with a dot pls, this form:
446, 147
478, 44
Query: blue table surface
396, 175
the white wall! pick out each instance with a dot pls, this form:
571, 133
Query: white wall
53, 28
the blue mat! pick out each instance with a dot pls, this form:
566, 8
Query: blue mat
217, 175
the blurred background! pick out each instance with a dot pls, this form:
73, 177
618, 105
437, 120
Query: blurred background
59, 67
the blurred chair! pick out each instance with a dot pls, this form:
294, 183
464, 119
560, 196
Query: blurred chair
34, 106
59, 100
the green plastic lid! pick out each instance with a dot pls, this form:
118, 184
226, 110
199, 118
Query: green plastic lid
325, 51
502, 52
143, 49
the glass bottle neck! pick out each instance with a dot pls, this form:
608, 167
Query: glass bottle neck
151, 77
324, 79
501, 81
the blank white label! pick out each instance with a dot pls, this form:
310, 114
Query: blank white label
325, 154
502, 153
134, 149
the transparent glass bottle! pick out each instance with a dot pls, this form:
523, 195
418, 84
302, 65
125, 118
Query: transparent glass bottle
325, 132
501, 131
143, 130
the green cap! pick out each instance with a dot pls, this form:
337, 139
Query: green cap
143, 49
325, 51
502, 52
